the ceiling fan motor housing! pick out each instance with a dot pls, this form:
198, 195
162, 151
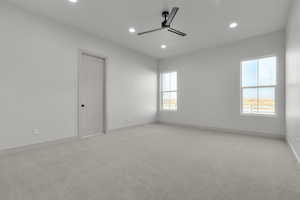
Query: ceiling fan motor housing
165, 15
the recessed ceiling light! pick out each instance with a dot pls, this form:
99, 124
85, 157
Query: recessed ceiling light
131, 30
163, 46
73, 1
233, 25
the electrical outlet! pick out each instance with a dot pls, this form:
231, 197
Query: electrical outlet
36, 131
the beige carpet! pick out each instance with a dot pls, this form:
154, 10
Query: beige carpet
154, 162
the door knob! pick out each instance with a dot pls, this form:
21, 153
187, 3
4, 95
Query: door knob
82, 105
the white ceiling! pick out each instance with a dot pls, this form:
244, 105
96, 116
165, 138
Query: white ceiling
205, 21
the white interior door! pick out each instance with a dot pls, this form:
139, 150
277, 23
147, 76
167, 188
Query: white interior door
91, 95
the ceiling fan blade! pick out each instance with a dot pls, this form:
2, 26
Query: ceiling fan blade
176, 32
172, 15
158, 29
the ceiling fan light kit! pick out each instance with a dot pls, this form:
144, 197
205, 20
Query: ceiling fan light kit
166, 24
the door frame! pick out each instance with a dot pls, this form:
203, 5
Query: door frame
82, 52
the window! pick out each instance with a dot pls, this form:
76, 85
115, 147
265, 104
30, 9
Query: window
258, 86
168, 91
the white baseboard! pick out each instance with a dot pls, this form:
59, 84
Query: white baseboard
130, 126
293, 150
36, 146
225, 130
58, 141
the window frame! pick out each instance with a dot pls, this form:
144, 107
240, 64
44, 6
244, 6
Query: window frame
275, 115
161, 109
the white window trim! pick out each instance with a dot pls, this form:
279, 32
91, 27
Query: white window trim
160, 93
275, 115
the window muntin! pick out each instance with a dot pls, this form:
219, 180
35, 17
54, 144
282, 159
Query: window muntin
168, 91
258, 87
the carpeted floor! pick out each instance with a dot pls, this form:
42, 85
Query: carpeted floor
153, 162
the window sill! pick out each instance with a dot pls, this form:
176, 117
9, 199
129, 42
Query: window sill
259, 115
168, 111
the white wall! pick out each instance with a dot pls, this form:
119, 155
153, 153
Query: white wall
209, 86
38, 80
293, 77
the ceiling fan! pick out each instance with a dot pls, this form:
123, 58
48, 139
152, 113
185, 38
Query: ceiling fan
166, 24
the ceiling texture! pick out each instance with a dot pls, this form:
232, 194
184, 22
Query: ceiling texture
205, 21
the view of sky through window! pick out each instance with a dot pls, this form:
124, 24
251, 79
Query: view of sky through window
258, 86
168, 91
